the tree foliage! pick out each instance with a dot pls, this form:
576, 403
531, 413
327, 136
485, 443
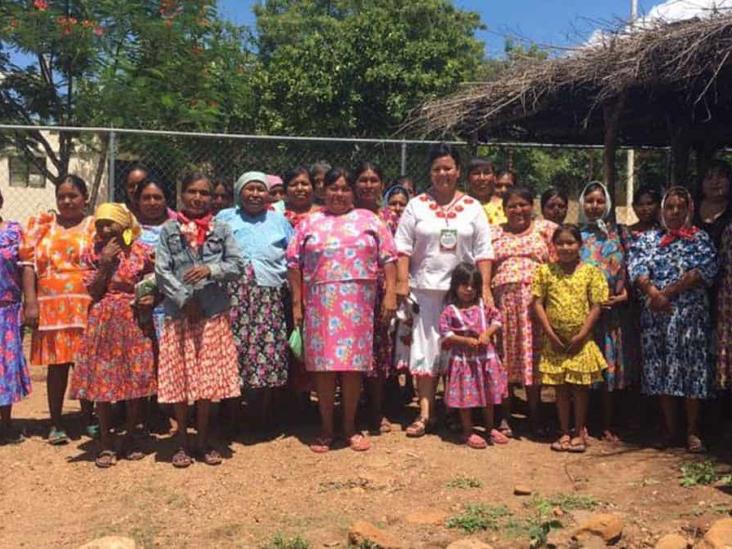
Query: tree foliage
356, 67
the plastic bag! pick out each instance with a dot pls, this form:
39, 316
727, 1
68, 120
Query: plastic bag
295, 343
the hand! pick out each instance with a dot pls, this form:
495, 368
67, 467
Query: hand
297, 314
194, 275
402, 290
192, 310
109, 253
576, 343
146, 301
472, 342
658, 302
30, 314
388, 307
486, 337
556, 343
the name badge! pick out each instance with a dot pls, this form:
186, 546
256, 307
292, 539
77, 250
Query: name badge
448, 240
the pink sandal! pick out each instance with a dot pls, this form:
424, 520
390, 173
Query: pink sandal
321, 445
497, 437
475, 442
359, 443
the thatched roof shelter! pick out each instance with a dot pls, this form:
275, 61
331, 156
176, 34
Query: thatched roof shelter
667, 85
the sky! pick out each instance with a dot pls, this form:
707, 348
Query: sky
546, 22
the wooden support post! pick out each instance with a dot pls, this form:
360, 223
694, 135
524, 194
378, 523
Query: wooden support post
611, 112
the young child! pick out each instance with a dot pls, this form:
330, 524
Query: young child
568, 296
475, 378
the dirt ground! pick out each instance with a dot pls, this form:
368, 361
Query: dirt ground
270, 486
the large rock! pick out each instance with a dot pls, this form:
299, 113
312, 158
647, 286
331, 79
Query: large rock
607, 526
719, 536
672, 541
469, 543
362, 532
110, 542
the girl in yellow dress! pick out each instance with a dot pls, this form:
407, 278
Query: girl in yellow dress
568, 295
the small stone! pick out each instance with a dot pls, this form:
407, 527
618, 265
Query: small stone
363, 533
590, 541
672, 541
607, 526
557, 512
434, 517
110, 542
719, 536
521, 490
469, 543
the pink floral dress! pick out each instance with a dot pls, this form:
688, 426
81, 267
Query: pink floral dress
517, 258
340, 257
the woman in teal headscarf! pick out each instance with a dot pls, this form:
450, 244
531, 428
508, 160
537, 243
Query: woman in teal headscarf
257, 299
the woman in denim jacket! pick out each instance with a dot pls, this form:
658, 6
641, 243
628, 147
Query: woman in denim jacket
198, 361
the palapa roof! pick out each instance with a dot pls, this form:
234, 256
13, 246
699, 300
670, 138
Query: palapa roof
670, 76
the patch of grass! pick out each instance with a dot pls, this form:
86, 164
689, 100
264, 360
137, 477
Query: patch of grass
545, 505
696, 473
347, 484
479, 516
462, 482
281, 542
536, 528
364, 544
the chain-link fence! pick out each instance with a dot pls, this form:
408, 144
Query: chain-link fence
32, 158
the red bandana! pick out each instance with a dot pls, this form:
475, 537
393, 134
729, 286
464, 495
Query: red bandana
684, 233
195, 230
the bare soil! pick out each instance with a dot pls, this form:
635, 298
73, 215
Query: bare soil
273, 485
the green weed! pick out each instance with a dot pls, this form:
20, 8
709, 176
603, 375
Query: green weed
281, 542
566, 502
463, 483
695, 473
479, 516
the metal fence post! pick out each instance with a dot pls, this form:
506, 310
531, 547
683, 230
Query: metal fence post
404, 158
111, 159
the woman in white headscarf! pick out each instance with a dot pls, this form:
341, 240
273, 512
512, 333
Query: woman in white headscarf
602, 247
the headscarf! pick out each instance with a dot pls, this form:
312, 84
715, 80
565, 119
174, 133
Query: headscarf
394, 189
118, 213
274, 181
194, 230
687, 230
600, 223
244, 180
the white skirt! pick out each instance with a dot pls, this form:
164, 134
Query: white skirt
426, 357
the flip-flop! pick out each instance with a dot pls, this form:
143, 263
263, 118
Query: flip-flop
385, 426
610, 437
131, 451
93, 430
694, 445
504, 428
57, 437
358, 443
321, 445
181, 459
562, 444
418, 428
209, 456
105, 459
577, 445
497, 437
475, 442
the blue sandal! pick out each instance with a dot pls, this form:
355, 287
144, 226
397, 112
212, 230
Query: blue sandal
57, 437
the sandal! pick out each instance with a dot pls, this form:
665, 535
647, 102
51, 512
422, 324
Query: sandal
577, 445
610, 437
209, 456
505, 429
562, 444
57, 437
321, 445
181, 459
694, 445
105, 459
92, 430
418, 428
474, 441
497, 437
385, 426
358, 443
131, 451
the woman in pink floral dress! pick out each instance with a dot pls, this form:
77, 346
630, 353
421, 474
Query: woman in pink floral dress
334, 260
521, 245
368, 189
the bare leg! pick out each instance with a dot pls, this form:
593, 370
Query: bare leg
180, 410
5, 412
325, 383
692, 416
203, 409
426, 392
488, 418
104, 411
581, 396
58, 376
533, 399
351, 386
375, 388
466, 420
668, 410
608, 414
563, 408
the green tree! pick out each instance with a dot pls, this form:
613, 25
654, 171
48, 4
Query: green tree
358, 67
167, 64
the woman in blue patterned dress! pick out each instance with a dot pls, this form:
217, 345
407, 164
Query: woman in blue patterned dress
602, 248
15, 381
672, 268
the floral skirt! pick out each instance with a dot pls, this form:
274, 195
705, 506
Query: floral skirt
260, 332
55, 347
15, 380
474, 380
383, 340
339, 326
583, 368
116, 360
197, 361
521, 334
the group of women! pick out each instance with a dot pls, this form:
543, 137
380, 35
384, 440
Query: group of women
199, 305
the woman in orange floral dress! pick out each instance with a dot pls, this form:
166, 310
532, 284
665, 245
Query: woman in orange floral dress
56, 299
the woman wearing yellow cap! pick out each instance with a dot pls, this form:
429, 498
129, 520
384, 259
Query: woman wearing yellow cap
116, 359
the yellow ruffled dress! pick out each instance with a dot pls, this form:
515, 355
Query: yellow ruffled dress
567, 299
